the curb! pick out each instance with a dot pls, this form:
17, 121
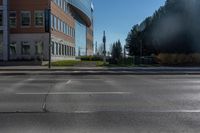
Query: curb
99, 73
106, 69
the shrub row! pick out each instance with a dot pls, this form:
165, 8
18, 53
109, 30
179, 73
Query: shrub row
91, 58
179, 59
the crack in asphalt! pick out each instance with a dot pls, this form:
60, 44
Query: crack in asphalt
44, 105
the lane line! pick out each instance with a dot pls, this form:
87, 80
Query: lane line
77, 93
133, 111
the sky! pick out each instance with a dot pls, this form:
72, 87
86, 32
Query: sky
117, 17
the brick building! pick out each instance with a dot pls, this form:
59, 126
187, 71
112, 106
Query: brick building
71, 29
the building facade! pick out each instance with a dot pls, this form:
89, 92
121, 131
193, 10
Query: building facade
71, 25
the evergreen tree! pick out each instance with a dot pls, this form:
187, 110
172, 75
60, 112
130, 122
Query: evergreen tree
116, 52
173, 28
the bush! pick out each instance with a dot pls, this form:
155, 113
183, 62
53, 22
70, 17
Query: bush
91, 58
179, 59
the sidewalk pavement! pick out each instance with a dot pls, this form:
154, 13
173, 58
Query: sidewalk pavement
43, 70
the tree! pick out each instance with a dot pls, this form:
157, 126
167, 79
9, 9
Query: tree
134, 41
116, 52
173, 28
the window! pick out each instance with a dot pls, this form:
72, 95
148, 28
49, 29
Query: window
55, 23
39, 47
25, 48
63, 27
66, 7
56, 48
73, 33
39, 18
13, 48
60, 49
25, 18
58, 24
73, 51
66, 29
63, 50
13, 19
68, 50
52, 22
1, 18
63, 3
52, 48
59, 3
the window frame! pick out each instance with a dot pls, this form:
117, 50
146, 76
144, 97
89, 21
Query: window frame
13, 17
25, 26
39, 11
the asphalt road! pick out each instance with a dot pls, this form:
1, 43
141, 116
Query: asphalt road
100, 104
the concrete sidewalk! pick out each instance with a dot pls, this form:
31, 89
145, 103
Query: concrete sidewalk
45, 68
41, 70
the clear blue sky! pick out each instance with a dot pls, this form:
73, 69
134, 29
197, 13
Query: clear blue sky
118, 16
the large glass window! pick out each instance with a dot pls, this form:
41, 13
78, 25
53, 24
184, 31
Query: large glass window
25, 18
80, 40
13, 19
39, 18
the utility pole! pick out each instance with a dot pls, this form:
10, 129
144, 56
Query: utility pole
96, 48
48, 28
104, 46
79, 51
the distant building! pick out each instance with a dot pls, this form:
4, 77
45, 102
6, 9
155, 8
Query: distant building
22, 29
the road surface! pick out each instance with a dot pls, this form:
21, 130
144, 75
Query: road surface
100, 104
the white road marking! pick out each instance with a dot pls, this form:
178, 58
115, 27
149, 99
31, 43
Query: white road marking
168, 111
77, 93
134, 111
177, 111
68, 82
84, 112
